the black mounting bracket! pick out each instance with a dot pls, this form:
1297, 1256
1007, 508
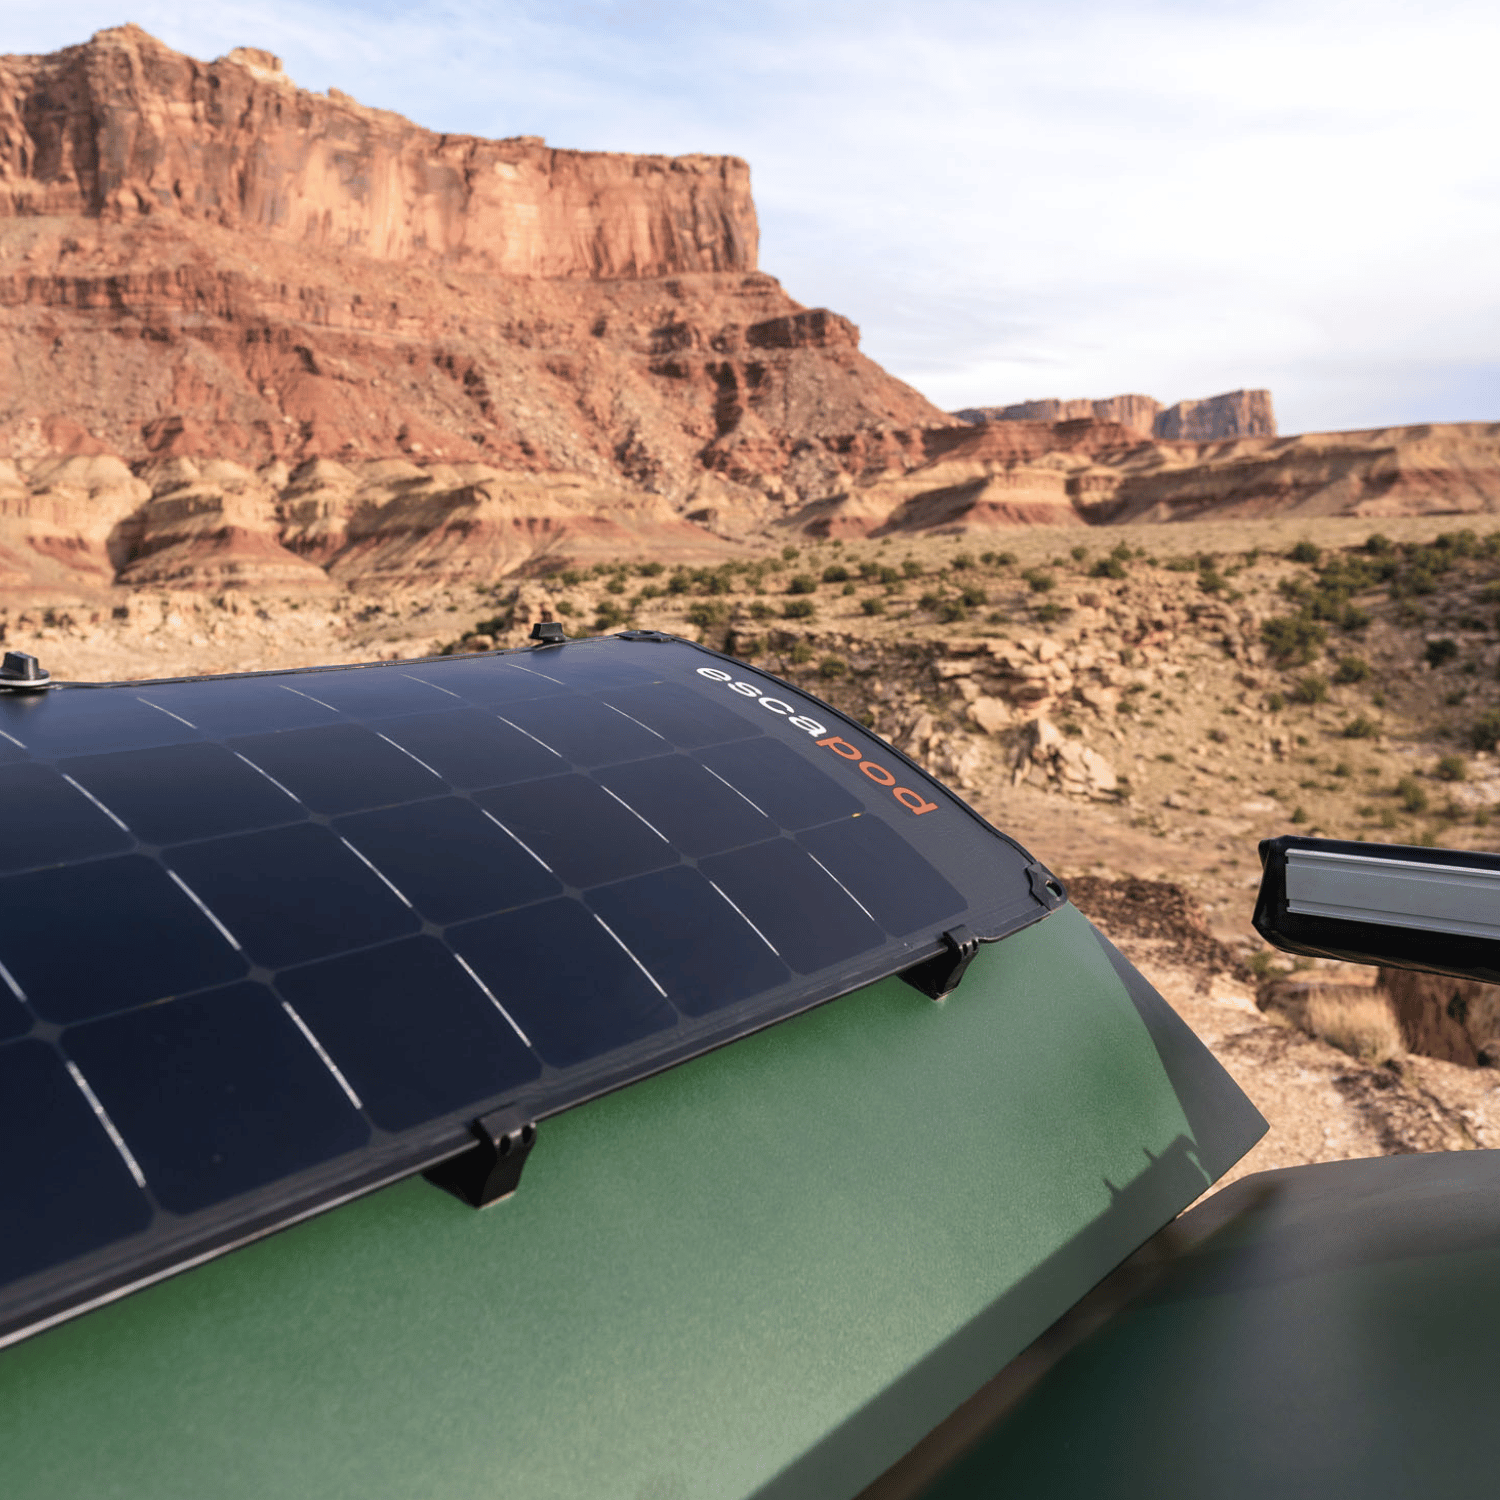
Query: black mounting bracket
940, 976
548, 633
23, 674
491, 1169
1046, 887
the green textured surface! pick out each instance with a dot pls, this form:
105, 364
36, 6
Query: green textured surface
1334, 1336
815, 1241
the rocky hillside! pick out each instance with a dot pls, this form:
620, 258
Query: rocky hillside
202, 261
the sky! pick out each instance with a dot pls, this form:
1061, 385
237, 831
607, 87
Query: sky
1012, 201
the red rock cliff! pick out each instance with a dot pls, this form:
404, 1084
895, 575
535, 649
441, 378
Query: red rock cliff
123, 126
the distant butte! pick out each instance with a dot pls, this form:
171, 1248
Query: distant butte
258, 337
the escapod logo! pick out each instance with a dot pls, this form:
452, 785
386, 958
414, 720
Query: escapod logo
877, 773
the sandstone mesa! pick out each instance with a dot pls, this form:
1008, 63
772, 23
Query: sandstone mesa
256, 336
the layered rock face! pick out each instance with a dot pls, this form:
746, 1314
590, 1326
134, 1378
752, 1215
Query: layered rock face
122, 126
1234, 414
202, 262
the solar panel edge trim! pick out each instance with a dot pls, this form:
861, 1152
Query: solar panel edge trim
53, 1295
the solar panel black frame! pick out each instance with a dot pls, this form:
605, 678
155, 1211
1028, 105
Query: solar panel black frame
1006, 889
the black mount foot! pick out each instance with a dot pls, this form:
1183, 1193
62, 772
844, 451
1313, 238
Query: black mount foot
490, 1170
940, 976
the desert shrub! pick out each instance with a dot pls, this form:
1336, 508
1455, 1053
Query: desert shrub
802, 583
610, 614
1298, 816
1292, 640
1311, 689
797, 609
566, 607
1000, 559
1050, 612
1364, 1026
1451, 768
1079, 553
649, 570
875, 606
1441, 651
1275, 702
760, 610
1485, 734
1343, 768
930, 600
1305, 552
1040, 581
680, 581
1352, 669
1361, 728
972, 597
962, 560
790, 554
1211, 581
800, 654
911, 568
1353, 618
1412, 793
951, 611
615, 586
571, 577
1378, 544
1108, 567
833, 667
835, 573
708, 612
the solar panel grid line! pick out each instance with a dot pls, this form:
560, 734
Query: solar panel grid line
378, 872
11, 984
746, 920
634, 720
410, 678
840, 884
261, 770
527, 847
323, 1056
110, 1128
402, 748
167, 711
203, 906
308, 696
737, 792
119, 822
628, 808
532, 671
530, 736
630, 954
491, 997
14, 741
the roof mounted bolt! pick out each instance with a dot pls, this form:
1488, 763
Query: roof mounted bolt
23, 674
548, 633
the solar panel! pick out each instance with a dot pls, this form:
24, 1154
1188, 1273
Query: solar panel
268, 941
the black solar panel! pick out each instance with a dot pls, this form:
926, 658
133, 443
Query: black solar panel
268, 941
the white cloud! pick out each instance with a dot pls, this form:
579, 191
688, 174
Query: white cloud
1166, 197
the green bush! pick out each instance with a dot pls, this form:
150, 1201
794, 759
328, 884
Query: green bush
708, 612
800, 654
833, 667
835, 573
1049, 612
790, 554
911, 568
1486, 731
1452, 768
972, 597
802, 583
797, 609
1108, 567
1275, 702
875, 606
760, 610
951, 611
962, 560
1311, 689
1361, 728
1292, 640
1040, 582
1352, 669
1306, 552
610, 614
1412, 793
1211, 581
1441, 651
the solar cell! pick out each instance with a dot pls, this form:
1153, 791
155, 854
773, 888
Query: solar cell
339, 768
571, 985
412, 1031
217, 1093
50, 821
178, 792
578, 829
53, 1137
449, 858
267, 940
294, 894
131, 934
806, 915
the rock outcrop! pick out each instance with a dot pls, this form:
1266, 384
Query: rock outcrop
1234, 414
